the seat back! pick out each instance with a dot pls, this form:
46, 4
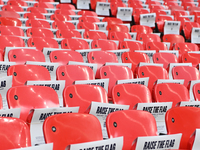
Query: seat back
95, 35
39, 32
132, 45
34, 16
15, 133
173, 39
74, 44
71, 128
67, 34
23, 73
119, 36
196, 91
37, 10
11, 30
131, 94
87, 26
104, 45
62, 25
156, 46
193, 58
130, 124
182, 120
82, 95
37, 23
10, 14
35, 97
9, 21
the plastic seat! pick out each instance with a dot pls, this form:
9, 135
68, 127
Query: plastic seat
131, 94
41, 42
35, 97
65, 6
39, 32
187, 73
63, 25
10, 14
156, 46
193, 58
76, 128
10, 41
170, 92
94, 2
60, 17
165, 59
44, 5
136, 14
88, 19
82, 95
34, 16
15, 133
148, 38
64, 56
153, 72
117, 28
67, 33
23, 73
132, 45
95, 35
65, 12
134, 58
115, 73
37, 10
17, 3
182, 120
104, 45
87, 13
87, 26
173, 39
160, 22
178, 13
111, 20
37, 23
71, 73
114, 6
119, 36
187, 28
12, 8
20, 56
7, 21
196, 91
141, 29
11, 30
74, 44
130, 124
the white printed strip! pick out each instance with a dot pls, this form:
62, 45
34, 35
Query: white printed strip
143, 81
171, 65
149, 64
145, 6
190, 104
15, 113
168, 44
129, 65
159, 142
119, 53
101, 110
4, 67
125, 13
192, 83
75, 17
148, 19
109, 144
91, 65
158, 110
84, 53
194, 52
159, 81
39, 115
11, 48
161, 127
51, 67
172, 27
40, 147
175, 52
83, 4
65, 1
195, 35
196, 143
102, 25
149, 53
191, 17
103, 8
47, 51
6, 84
57, 85
101, 82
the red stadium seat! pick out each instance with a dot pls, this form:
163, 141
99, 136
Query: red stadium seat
37, 23
44, 5
111, 20
119, 36
65, 12
88, 19
7, 21
82, 95
95, 35
63, 25
193, 58
141, 29
187, 28
196, 91
87, 26
65, 6
104, 45
117, 27
74, 44
132, 45
173, 39
156, 46
35, 97
17, 3
37, 10
11, 30
34, 16
60, 17
9, 14
62, 33
39, 32
12, 8
87, 13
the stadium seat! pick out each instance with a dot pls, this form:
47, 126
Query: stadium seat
67, 33
71, 73
131, 94
156, 46
145, 38
65, 6
193, 58
35, 97
63, 25
173, 39
182, 120
75, 128
74, 44
87, 13
104, 45
17, 3
11, 30
114, 5
23, 73
81, 95
134, 58
170, 92
165, 59
141, 29
131, 45
187, 73
39, 32
88, 19
65, 12
12, 8
9, 14
87, 26
117, 28
8, 21
60, 17
119, 36
153, 72
112, 20
115, 73
196, 91
34, 16
15, 133
94, 35
64, 56
41, 42
37, 23
187, 28
130, 124
44, 5
160, 22
94, 2
37, 10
